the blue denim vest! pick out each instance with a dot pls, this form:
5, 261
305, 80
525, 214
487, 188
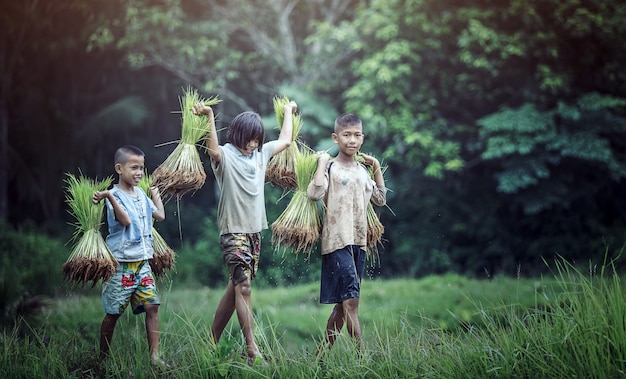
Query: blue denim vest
134, 242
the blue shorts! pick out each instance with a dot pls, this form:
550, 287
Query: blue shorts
132, 283
342, 271
241, 255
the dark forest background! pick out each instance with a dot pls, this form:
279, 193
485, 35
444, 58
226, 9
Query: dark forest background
502, 124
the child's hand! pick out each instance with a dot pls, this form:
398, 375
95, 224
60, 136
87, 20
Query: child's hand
322, 157
291, 107
154, 191
201, 109
369, 160
99, 195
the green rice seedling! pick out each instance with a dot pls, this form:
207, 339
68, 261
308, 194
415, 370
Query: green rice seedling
164, 256
375, 228
182, 171
90, 259
281, 169
298, 227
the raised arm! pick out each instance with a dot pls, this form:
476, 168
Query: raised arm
212, 143
159, 214
120, 214
286, 131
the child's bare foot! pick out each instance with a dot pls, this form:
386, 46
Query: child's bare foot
158, 362
256, 358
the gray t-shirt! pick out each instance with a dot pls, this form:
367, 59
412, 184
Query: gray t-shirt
241, 180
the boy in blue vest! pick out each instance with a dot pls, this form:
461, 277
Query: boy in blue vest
129, 216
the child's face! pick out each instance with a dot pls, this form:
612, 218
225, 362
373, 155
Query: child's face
349, 138
131, 171
249, 148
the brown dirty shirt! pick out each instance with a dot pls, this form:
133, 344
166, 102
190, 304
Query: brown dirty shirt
347, 191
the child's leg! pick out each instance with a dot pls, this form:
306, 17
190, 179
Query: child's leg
106, 333
243, 306
334, 324
224, 312
351, 312
152, 329
241, 255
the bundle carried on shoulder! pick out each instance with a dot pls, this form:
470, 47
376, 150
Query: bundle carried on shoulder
281, 169
90, 259
298, 227
375, 228
164, 256
182, 171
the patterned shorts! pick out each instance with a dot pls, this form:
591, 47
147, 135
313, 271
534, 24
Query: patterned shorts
241, 255
132, 283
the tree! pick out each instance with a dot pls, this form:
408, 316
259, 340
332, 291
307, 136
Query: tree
12, 46
26, 34
54, 97
238, 49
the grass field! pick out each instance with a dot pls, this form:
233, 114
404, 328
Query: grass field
569, 325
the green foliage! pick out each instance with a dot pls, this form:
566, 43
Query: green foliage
30, 265
236, 49
160, 35
531, 144
129, 111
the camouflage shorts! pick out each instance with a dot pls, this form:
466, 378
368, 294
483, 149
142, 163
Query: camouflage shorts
241, 254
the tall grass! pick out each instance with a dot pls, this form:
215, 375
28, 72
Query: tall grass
579, 331
571, 325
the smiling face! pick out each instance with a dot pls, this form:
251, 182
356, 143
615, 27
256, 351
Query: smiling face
349, 138
130, 171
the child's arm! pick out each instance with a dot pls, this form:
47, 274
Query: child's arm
159, 214
212, 143
316, 190
379, 195
378, 174
286, 131
120, 214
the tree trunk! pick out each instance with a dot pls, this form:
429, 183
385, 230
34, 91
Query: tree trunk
4, 158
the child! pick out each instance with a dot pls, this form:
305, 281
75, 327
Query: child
129, 216
239, 167
346, 188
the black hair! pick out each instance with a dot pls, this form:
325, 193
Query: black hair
246, 127
121, 154
346, 119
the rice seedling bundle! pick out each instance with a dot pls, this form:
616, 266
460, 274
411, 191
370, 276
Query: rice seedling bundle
281, 169
375, 229
90, 259
182, 171
298, 227
164, 256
